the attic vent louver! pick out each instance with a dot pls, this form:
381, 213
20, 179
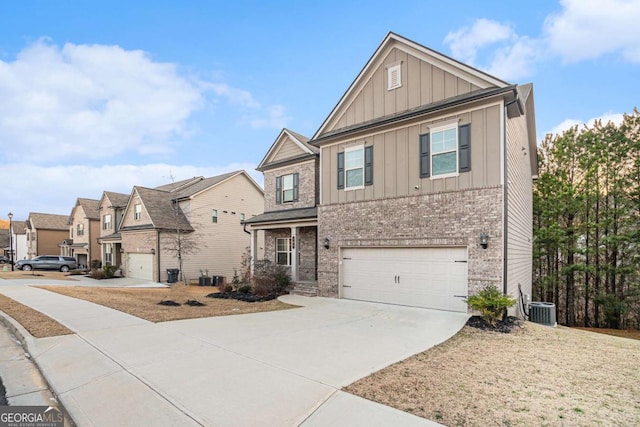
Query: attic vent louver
394, 76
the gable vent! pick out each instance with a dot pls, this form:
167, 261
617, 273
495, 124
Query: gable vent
394, 76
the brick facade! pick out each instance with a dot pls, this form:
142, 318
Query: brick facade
307, 186
441, 219
306, 246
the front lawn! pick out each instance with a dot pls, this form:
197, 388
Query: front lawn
144, 302
534, 376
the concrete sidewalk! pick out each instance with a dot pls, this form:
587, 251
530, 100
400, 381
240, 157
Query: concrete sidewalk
283, 368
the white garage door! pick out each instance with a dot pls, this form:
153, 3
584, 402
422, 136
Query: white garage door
419, 277
140, 266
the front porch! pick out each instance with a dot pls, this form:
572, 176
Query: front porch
290, 240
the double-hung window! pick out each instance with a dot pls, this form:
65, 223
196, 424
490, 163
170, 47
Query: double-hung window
445, 151
355, 167
80, 230
106, 222
137, 212
283, 251
214, 216
108, 254
287, 188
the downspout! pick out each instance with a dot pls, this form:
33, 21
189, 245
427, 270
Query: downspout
505, 204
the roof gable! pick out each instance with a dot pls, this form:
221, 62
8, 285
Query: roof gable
42, 221
89, 208
208, 183
288, 145
159, 207
426, 77
112, 199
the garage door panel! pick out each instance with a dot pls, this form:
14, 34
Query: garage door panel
421, 277
140, 266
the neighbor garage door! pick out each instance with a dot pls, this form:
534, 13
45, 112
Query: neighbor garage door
140, 266
420, 277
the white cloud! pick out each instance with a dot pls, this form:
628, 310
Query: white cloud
57, 187
510, 56
91, 101
567, 124
255, 114
588, 29
466, 41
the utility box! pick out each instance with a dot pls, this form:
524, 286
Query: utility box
543, 313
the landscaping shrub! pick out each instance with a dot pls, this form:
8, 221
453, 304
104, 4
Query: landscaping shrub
96, 264
97, 274
109, 271
244, 289
491, 303
270, 278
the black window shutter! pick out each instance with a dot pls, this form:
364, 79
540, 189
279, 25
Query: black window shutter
278, 190
295, 187
341, 170
424, 156
368, 165
464, 148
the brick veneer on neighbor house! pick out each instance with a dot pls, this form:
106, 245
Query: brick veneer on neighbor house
442, 219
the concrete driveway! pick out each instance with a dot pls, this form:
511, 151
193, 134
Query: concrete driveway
283, 368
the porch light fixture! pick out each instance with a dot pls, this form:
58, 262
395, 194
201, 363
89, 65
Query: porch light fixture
153, 251
484, 240
121, 250
326, 243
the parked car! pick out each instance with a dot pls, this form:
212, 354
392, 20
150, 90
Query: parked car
47, 262
4, 259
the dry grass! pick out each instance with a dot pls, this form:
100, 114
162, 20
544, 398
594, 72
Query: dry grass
38, 324
143, 302
535, 376
35, 275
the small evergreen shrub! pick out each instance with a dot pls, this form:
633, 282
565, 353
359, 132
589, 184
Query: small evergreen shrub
109, 271
244, 289
491, 303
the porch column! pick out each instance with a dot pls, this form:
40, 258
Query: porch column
294, 254
254, 247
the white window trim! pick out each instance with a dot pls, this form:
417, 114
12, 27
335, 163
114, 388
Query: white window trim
106, 225
137, 214
282, 190
441, 128
288, 251
347, 150
214, 216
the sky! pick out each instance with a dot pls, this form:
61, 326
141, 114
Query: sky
105, 95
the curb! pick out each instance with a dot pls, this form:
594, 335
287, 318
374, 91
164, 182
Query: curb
26, 341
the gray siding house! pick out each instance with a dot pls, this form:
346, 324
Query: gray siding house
424, 184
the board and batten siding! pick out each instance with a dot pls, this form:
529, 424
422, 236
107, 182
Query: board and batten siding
288, 149
220, 245
396, 168
519, 209
422, 84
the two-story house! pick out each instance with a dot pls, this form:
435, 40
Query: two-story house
111, 208
194, 225
84, 229
290, 222
44, 233
425, 182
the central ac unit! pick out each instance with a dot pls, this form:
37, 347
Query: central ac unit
543, 313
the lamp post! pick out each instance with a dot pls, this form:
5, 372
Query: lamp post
11, 239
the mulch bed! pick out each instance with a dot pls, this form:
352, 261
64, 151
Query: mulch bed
505, 326
246, 297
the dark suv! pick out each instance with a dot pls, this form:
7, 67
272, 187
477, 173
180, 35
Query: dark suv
4, 259
48, 262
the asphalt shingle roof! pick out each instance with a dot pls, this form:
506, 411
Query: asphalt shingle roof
118, 200
284, 215
43, 221
160, 207
90, 207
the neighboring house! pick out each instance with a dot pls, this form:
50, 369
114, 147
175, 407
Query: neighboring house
19, 239
289, 222
111, 209
204, 214
44, 232
425, 182
84, 230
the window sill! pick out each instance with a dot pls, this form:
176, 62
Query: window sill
444, 175
360, 187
